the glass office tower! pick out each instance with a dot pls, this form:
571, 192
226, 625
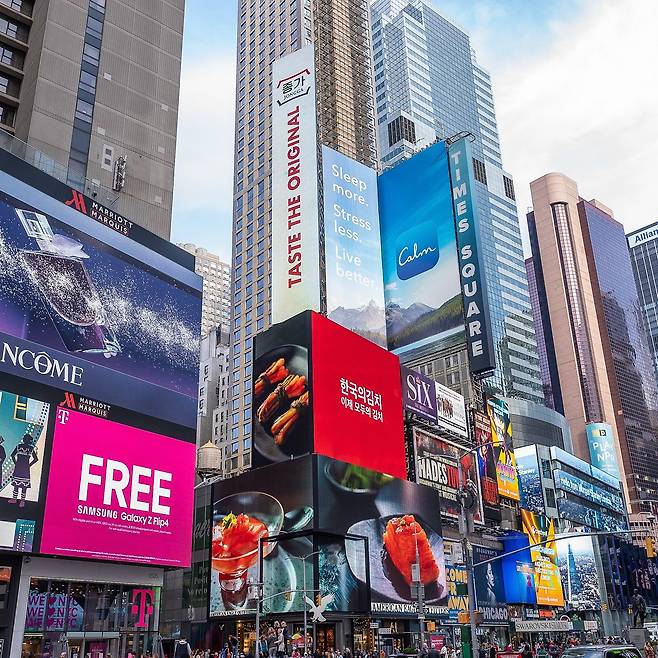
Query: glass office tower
428, 85
643, 247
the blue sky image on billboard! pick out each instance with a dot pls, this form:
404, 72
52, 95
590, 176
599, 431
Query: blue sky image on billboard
355, 291
419, 253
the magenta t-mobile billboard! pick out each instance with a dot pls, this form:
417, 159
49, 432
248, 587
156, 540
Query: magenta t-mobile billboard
118, 493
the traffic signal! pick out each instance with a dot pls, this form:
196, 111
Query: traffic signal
287, 596
650, 544
318, 599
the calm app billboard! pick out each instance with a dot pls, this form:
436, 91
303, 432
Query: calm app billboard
419, 254
355, 291
118, 493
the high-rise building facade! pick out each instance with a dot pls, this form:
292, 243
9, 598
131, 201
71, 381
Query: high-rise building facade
598, 345
268, 30
428, 85
93, 85
216, 275
643, 246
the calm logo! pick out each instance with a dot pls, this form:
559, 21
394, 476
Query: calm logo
417, 250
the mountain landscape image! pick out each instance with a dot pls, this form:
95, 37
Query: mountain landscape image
367, 321
419, 321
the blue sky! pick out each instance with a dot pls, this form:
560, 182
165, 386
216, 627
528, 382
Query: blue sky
571, 84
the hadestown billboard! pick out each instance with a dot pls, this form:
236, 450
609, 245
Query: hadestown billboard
295, 231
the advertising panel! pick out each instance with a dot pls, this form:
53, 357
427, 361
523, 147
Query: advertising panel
319, 387
295, 231
451, 410
456, 582
602, 450
419, 254
501, 436
262, 504
486, 462
436, 466
590, 517
479, 335
518, 570
547, 574
23, 427
357, 413
579, 573
489, 586
588, 491
393, 515
118, 493
418, 394
89, 310
353, 255
530, 489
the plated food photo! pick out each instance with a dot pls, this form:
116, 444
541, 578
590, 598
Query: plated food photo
282, 400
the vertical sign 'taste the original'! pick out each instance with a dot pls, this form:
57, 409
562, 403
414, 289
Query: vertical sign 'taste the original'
476, 308
295, 232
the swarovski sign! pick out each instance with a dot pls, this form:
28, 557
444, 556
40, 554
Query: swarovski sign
42, 363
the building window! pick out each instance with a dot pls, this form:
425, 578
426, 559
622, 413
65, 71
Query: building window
509, 187
480, 171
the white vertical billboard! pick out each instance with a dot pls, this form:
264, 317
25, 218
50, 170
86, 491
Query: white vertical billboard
353, 256
295, 232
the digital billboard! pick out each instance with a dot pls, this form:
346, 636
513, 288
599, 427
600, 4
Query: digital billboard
479, 336
587, 490
118, 493
352, 247
436, 466
602, 450
418, 394
295, 231
489, 586
263, 504
591, 517
548, 586
451, 410
394, 516
419, 254
518, 570
487, 460
530, 488
579, 573
501, 437
85, 308
319, 387
23, 428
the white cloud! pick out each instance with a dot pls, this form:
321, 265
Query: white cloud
584, 102
204, 159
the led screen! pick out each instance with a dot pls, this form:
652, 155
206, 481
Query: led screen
23, 428
419, 254
265, 503
87, 309
321, 388
388, 512
118, 493
353, 257
489, 586
579, 573
530, 489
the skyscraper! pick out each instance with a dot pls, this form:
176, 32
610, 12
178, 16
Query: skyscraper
94, 86
268, 30
428, 84
597, 345
216, 275
643, 246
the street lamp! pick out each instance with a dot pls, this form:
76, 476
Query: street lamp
303, 559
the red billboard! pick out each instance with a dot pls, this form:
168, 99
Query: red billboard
319, 387
357, 400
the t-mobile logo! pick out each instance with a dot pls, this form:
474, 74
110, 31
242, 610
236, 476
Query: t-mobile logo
142, 605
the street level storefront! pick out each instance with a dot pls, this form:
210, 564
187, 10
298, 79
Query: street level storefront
85, 610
